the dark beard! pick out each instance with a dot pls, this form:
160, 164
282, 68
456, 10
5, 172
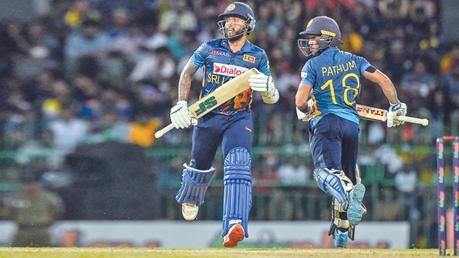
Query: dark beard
240, 33
236, 38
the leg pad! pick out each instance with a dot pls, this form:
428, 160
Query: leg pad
194, 185
237, 199
330, 182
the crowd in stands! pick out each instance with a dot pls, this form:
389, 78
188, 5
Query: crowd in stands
90, 71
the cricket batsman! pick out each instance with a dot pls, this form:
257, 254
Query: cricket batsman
332, 79
229, 125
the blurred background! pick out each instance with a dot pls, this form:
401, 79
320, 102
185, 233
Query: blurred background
86, 83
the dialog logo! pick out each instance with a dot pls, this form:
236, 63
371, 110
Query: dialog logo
228, 70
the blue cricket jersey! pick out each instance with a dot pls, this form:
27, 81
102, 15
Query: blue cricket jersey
220, 65
335, 77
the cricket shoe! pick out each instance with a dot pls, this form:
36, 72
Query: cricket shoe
189, 211
235, 234
341, 238
356, 210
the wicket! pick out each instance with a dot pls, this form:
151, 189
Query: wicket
441, 193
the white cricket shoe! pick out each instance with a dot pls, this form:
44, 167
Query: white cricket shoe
189, 211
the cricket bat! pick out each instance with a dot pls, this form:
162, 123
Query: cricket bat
222, 94
377, 114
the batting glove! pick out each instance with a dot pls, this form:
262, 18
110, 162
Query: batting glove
302, 116
305, 116
180, 116
264, 84
396, 110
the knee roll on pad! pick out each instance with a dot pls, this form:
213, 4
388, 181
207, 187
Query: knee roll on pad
330, 183
194, 185
237, 198
345, 181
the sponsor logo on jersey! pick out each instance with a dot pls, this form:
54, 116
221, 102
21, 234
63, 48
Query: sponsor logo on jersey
249, 58
219, 53
304, 75
228, 70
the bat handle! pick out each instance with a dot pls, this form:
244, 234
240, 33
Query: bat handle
414, 120
163, 131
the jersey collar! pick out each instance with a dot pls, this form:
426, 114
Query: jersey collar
330, 49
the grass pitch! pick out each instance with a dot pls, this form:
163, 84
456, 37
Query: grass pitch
209, 252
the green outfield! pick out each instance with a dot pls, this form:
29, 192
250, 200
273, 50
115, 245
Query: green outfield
209, 252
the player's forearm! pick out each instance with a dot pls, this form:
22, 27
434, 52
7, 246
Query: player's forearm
184, 84
301, 97
389, 90
384, 82
303, 106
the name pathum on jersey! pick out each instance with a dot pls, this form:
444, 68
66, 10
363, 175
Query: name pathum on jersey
220, 65
335, 77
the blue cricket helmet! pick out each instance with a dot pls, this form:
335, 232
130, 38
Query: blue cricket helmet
326, 28
241, 10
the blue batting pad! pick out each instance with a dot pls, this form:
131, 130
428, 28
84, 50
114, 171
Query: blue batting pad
194, 185
330, 183
237, 198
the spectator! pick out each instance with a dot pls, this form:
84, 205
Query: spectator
34, 210
418, 84
406, 182
294, 172
178, 19
89, 42
158, 67
68, 130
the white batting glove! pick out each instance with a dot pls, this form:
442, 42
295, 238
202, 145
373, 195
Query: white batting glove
262, 83
265, 85
305, 116
302, 116
395, 110
180, 117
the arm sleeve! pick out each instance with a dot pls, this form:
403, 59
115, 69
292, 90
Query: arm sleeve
308, 75
264, 65
199, 56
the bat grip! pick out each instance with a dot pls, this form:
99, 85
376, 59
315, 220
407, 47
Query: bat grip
414, 120
163, 131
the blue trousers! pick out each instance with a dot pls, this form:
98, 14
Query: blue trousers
334, 144
231, 131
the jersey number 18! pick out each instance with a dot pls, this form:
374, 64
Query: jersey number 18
353, 88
